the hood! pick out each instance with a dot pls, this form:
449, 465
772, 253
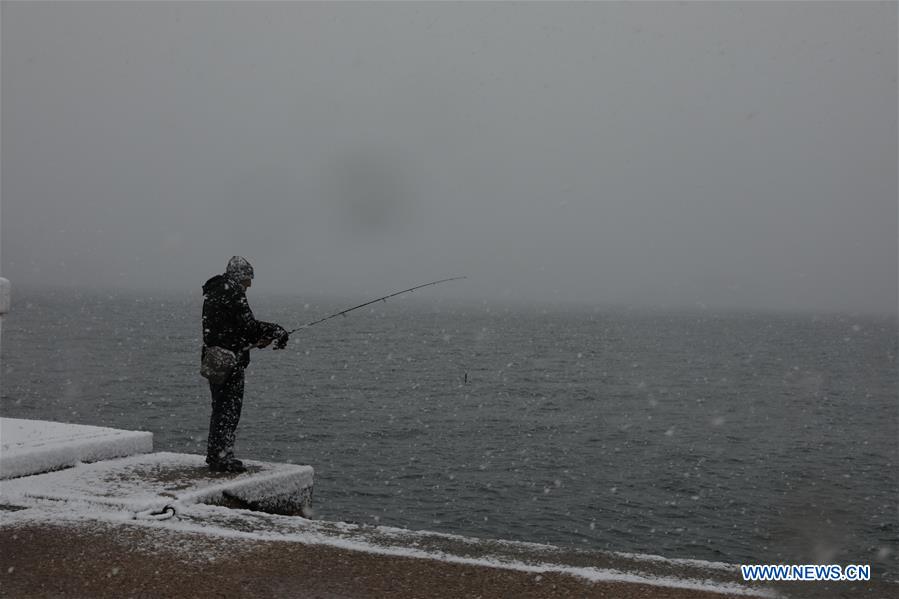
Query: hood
219, 283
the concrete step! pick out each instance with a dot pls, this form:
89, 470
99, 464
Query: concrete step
162, 483
34, 446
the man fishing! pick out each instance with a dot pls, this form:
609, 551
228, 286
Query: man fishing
229, 326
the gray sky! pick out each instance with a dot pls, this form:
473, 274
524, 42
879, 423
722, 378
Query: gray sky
671, 154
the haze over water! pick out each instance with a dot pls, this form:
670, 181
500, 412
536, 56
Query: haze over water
667, 154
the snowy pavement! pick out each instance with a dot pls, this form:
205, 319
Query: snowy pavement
196, 525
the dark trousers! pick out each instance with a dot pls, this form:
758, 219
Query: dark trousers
227, 400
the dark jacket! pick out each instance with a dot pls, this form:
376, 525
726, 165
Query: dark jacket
228, 321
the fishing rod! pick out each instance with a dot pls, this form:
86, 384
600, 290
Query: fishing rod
379, 299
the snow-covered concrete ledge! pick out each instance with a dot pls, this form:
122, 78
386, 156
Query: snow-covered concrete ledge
111, 469
161, 485
34, 446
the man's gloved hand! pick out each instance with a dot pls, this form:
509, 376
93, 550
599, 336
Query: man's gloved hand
281, 338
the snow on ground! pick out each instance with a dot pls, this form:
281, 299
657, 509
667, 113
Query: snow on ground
33, 446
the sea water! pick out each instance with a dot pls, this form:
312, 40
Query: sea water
736, 437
